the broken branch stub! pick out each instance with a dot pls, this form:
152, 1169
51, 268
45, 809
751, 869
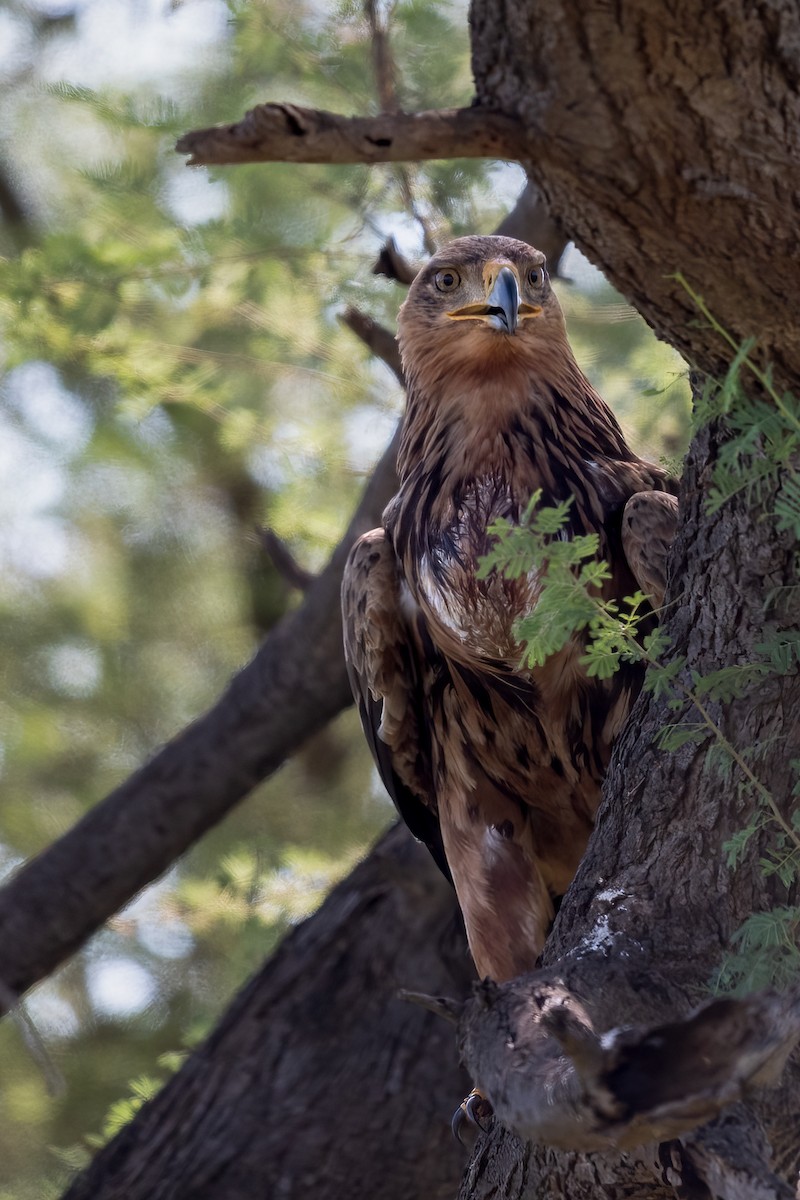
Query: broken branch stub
552, 1078
291, 133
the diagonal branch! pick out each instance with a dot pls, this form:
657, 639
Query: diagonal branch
295, 684
289, 133
376, 337
282, 559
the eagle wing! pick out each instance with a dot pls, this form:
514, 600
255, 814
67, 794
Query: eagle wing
649, 522
383, 665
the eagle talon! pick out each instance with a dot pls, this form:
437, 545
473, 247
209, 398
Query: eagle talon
477, 1107
473, 1110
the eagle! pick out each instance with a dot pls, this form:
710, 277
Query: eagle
495, 765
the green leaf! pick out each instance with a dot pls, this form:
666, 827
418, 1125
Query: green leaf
672, 737
734, 848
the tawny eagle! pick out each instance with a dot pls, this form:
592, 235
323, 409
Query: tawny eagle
497, 768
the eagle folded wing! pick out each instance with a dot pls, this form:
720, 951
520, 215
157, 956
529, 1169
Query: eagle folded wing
383, 667
649, 522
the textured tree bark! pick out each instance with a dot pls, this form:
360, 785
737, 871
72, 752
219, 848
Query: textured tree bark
666, 137
668, 133
663, 136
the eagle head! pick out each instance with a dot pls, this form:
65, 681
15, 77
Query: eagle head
480, 303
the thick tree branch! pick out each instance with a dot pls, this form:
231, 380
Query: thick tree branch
288, 133
293, 686
555, 1079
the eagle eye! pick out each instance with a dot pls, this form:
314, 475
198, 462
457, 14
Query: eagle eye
447, 280
535, 276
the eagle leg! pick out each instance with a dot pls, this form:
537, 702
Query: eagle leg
505, 903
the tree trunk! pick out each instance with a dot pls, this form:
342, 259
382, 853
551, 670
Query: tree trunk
663, 138
666, 134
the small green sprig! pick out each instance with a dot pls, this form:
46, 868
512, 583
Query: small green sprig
571, 577
762, 455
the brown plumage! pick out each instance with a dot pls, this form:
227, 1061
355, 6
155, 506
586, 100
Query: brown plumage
497, 769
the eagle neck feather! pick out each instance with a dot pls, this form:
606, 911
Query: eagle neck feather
477, 454
506, 441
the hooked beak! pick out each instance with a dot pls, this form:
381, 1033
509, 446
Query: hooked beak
503, 308
502, 302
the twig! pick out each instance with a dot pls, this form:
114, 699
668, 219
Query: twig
440, 1006
391, 263
289, 133
380, 340
283, 560
386, 84
13, 1004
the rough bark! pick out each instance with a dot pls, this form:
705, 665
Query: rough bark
666, 137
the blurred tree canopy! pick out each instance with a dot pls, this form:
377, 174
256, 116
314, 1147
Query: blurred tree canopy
173, 380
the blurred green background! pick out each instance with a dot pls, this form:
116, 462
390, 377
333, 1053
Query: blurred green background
173, 377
